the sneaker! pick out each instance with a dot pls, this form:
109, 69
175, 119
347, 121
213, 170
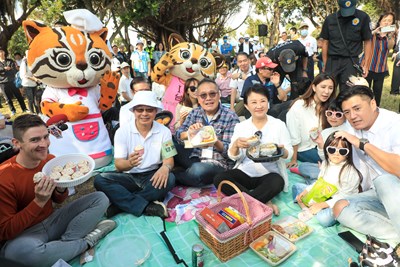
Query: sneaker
378, 245
156, 208
112, 211
101, 230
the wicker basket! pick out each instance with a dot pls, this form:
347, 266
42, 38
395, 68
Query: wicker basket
233, 242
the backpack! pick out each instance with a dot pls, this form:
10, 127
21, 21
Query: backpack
18, 80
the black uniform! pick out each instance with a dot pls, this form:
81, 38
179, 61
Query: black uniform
355, 30
297, 75
396, 73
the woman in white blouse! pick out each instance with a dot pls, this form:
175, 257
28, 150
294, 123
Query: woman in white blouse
305, 115
263, 180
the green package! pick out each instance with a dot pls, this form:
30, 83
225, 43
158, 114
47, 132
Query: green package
320, 192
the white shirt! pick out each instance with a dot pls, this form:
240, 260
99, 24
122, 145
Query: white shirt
124, 86
349, 181
128, 137
246, 48
384, 134
238, 83
310, 43
274, 131
24, 73
300, 120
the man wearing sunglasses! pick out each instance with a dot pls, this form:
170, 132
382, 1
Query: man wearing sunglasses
266, 75
143, 152
374, 135
204, 163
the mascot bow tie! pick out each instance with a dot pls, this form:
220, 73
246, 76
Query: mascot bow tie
77, 91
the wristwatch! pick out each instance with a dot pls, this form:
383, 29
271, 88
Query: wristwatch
363, 141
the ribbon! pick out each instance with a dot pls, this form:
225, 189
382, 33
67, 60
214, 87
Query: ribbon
77, 91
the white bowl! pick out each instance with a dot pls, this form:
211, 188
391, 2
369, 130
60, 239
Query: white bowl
64, 159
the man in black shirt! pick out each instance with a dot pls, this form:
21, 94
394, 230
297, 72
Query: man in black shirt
344, 33
291, 57
7, 86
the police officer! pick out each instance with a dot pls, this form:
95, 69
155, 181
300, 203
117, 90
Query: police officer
292, 58
344, 34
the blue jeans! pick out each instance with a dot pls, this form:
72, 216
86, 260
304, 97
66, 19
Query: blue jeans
309, 170
60, 236
131, 192
199, 174
375, 212
310, 155
324, 217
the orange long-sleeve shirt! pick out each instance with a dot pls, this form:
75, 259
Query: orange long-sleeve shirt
18, 211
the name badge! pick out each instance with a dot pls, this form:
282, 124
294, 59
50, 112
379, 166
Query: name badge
207, 153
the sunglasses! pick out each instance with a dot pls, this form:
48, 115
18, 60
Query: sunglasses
336, 114
342, 151
193, 88
148, 110
211, 95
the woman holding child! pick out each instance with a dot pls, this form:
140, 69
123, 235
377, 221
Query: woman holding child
263, 180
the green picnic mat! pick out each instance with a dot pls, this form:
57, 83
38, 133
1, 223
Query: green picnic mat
323, 247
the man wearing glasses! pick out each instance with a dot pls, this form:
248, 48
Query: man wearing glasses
266, 75
143, 152
205, 162
374, 135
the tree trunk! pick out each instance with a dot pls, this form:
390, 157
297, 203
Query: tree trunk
274, 30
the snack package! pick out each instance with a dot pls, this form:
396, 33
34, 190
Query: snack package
321, 191
202, 137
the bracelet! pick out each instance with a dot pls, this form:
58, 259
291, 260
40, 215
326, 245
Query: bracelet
168, 166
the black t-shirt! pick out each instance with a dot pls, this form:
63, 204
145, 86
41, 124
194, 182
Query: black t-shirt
7, 75
355, 30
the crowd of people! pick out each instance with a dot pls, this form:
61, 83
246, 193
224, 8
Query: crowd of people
326, 128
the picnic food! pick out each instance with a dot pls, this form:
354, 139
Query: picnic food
69, 171
38, 176
203, 136
267, 149
253, 140
254, 151
273, 248
291, 228
139, 149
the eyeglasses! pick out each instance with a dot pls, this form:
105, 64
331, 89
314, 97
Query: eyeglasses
342, 151
193, 88
148, 110
266, 68
336, 114
211, 95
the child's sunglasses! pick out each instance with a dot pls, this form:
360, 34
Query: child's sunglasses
336, 114
342, 151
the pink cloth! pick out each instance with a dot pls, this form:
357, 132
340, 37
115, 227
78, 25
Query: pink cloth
173, 95
223, 85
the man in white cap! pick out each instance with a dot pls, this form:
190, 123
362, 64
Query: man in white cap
257, 46
246, 46
124, 90
346, 33
141, 63
143, 152
311, 46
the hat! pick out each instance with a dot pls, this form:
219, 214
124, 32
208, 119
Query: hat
225, 37
347, 7
83, 20
241, 37
256, 38
146, 98
124, 65
139, 42
247, 36
287, 60
303, 24
223, 66
265, 62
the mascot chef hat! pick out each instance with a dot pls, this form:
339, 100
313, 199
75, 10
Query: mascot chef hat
83, 20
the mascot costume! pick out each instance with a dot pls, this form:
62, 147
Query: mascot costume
184, 60
72, 61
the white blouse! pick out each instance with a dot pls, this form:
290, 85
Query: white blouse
274, 131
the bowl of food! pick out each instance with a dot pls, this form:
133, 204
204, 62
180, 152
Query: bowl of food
69, 170
202, 137
266, 153
291, 228
254, 151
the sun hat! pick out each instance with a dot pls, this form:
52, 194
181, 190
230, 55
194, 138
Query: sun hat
124, 65
146, 98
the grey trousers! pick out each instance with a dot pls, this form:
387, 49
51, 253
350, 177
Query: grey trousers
60, 236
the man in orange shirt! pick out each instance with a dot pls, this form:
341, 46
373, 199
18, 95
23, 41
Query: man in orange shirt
31, 231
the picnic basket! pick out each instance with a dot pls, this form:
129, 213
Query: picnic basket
233, 242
